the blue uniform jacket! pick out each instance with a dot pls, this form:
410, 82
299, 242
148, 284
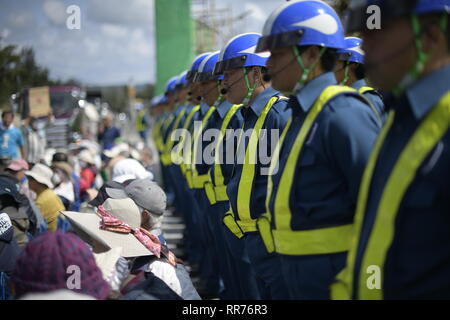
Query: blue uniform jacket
332, 160
418, 261
276, 119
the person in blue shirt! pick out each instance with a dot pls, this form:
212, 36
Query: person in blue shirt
350, 71
401, 246
108, 133
317, 167
11, 139
264, 113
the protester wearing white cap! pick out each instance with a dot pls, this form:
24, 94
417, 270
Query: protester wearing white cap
127, 169
40, 181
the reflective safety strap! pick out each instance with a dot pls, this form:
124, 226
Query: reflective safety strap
364, 90
248, 171
184, 142
219, 190
310, 242
199, 180
341, 289
282, 212
164, 127
156, 134
186, 162
425, 138
230, 223
169, 145
263, 223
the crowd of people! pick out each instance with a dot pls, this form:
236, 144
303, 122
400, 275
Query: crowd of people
296, 179
93, 212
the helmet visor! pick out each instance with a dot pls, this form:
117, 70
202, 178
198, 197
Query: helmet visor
344, 56
233, 63
279, 40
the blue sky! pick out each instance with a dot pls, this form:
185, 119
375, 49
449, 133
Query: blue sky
115, 44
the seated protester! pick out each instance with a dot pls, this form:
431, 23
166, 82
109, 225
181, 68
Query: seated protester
44, 263
61, 157
9, 251
150, 199
17, 169
37, 221
40, 180
63, 183
10, 204
87, 174
118, 223
115, 269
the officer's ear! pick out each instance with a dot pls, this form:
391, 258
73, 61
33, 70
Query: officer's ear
434, 39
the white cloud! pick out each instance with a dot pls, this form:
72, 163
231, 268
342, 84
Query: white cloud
56, 11
121, 12
114, 31
21, 19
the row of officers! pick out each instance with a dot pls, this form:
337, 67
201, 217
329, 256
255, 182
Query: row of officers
355, 200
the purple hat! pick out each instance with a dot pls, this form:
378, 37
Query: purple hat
50, 262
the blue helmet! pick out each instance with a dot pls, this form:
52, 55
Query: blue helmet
170, 85
195, 65
302, 23
239, 52
206, 69
352, 51
182, 81
154, 102
356, 15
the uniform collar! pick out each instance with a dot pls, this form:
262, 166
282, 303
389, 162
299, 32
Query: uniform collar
178, 110
359, 84
427, 92
203, 108
261, 100
223, 108
307, 95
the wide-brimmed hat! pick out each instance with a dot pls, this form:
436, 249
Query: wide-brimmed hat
123, 209
42, 174
145, 193
64, 166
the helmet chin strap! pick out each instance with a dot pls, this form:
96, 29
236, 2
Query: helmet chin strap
422, 57
219, 98
346, 74
250, 89
306, 70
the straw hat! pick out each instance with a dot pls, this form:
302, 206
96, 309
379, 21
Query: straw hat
124, 209
42, 174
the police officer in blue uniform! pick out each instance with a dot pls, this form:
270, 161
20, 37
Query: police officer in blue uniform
197, 173
264, 112
401, 245
314, 180
350, 72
